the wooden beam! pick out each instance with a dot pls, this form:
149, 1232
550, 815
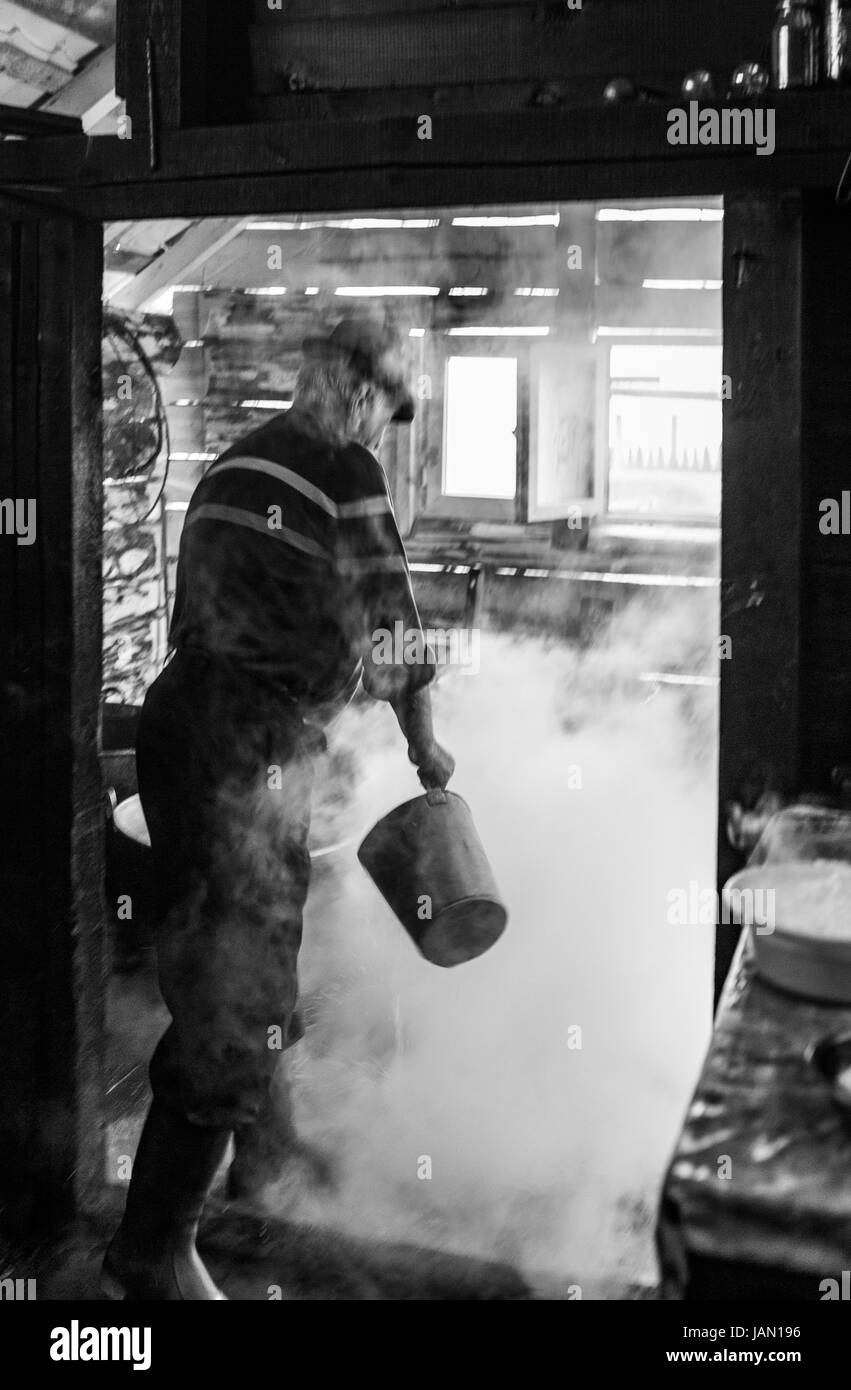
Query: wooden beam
761, 517
35, 72
826, 691
91, 19
270, 12
148, 30
448, 186
435, 187
88, 89
17, 120
178, 262
436, 100
814, 125
318, 244
540, 156
494, 274
51, 826
506, 42
199, 61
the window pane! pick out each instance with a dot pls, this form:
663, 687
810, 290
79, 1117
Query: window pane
564, 399
481, 420
665, 430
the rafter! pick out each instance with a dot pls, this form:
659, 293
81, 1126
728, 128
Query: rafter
21, 120
89, 89
91, 19
35, 72
197, 245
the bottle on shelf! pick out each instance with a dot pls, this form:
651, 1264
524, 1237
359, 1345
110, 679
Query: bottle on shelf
795, 45
837, 40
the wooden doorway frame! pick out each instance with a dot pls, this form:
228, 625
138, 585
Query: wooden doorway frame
71, 189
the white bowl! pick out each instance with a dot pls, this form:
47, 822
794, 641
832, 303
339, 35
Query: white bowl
800, 925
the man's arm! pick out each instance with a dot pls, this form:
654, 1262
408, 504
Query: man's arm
371, 557
434, 764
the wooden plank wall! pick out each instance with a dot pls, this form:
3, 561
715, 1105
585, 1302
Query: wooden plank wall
761, 514
786, 593
200, 61
378, 58
51, 815
826, 366
487, 54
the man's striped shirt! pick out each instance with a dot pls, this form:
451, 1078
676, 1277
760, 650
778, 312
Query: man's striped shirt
290, 560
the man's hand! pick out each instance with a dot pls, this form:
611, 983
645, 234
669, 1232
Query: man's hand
434, 766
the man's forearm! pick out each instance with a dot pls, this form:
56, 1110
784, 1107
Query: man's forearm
413, 712
434, 765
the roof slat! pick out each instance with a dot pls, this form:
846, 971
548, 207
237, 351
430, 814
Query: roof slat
37, 72
94, 82
91, 19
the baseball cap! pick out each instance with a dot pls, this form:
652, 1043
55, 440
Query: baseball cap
366, 343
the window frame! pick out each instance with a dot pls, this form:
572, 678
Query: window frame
644, 519
438, 503
596, 504
522, 509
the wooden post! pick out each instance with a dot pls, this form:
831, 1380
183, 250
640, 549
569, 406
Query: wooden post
826, 368
51, 815
181, 63
761, 547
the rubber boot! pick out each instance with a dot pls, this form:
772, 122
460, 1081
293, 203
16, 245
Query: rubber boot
153, 1257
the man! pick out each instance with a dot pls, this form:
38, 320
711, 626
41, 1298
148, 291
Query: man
290, 559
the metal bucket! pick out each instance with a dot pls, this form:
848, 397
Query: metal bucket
427, 861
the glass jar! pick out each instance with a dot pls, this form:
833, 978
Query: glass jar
837, 41
804, 833
795, 48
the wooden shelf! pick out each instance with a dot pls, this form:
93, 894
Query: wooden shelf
548, 153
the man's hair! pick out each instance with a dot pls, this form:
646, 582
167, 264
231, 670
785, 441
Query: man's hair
328, 382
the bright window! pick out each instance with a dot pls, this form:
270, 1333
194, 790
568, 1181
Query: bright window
481, 423
665, 430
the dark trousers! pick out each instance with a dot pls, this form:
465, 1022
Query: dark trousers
225, 775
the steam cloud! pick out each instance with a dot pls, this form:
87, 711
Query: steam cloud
542, 1154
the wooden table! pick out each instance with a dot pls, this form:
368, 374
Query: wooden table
757, 1200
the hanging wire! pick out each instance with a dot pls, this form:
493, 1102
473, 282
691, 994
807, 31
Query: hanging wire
843, 188
161, 490
119, 330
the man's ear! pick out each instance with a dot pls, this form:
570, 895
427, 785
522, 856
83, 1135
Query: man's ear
364, 396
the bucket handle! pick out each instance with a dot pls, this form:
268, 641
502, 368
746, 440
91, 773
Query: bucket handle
436, 797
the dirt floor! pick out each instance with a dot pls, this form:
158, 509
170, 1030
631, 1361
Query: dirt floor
256, 1259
